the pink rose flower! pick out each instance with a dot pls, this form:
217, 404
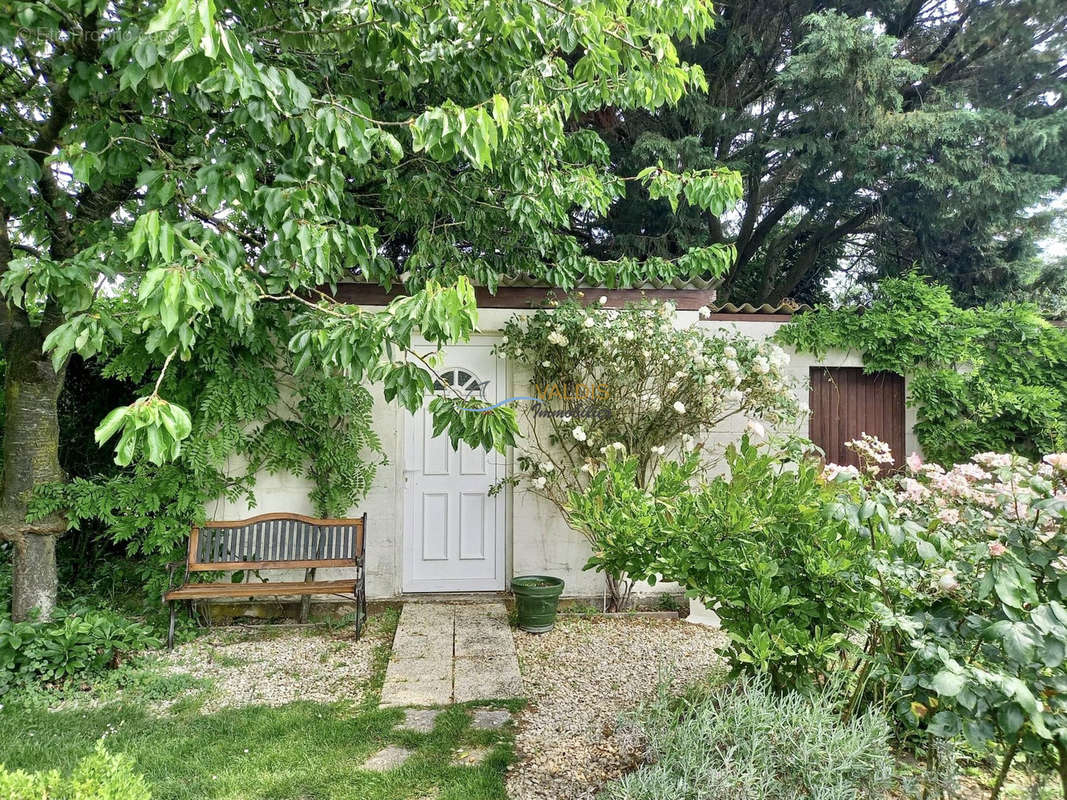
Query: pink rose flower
1057, 460
996, 549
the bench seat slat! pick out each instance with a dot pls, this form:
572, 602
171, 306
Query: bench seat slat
194, 591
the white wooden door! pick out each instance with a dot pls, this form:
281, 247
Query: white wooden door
453, 528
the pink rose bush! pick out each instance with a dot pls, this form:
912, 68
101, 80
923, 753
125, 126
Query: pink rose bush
968, 563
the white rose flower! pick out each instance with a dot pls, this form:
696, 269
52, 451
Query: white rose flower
579, 434
546, 363
503, 339
628, 336
729, 352
761, 365
546, 466
735, 397
619, 446
603, 300
948, 582
731, 367
540, 482
704, 312
756, 429
679, 407
659, 450
589, 322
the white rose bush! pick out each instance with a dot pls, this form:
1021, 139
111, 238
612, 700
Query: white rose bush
629, 381
970, 572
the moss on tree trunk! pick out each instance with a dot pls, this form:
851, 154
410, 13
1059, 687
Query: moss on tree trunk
31, 458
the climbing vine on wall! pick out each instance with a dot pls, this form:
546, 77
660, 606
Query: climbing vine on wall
248, 415
983, 379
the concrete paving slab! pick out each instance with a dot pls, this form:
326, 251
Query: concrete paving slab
488, 719
420, 720
485, 679
418, 682
444, 653
386, 759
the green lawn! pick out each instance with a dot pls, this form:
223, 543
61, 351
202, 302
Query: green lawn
302, 751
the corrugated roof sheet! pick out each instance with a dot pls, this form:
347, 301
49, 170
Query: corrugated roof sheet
530, 282
682, 284
785, 307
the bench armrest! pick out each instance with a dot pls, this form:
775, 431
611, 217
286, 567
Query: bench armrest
171, 566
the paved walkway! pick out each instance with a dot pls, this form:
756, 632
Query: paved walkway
451, 653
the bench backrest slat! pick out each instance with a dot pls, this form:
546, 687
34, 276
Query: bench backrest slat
277, 541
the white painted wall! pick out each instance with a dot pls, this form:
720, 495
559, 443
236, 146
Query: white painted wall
539, 542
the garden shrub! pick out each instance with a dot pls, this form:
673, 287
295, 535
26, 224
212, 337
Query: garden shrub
746, 742
99, 776
629, 380
972, 628
790, 587
70, 644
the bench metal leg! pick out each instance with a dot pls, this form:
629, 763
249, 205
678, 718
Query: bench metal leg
361, 609
170, 628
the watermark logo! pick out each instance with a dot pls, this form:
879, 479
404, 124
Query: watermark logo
509, 401
579, 401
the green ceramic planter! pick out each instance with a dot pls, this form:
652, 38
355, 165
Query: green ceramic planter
536, 599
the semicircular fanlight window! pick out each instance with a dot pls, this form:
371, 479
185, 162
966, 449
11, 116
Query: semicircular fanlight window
459, 380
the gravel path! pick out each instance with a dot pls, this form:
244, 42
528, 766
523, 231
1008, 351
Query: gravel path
276, 666
579, 677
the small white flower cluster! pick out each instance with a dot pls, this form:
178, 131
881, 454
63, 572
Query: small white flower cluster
833, 472
687, 379
872, 452
993, 460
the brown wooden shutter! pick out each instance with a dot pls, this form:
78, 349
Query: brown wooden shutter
845, 403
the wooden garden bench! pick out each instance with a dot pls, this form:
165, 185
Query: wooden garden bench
273, 541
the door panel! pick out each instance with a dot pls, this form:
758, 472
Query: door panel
454, 530
845, 403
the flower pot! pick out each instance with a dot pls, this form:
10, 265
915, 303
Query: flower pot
536, 599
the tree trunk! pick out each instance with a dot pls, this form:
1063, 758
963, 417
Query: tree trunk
618, 592
1005, 767
31, 458
1061, 766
